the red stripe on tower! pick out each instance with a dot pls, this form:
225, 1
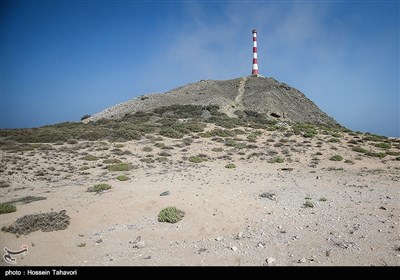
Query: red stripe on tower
254, 70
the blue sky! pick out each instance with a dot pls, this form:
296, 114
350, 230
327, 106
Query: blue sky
61, 60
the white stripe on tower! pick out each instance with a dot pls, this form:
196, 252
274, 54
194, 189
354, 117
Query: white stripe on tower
254, 70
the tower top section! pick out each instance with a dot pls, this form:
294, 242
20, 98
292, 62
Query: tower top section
254, 31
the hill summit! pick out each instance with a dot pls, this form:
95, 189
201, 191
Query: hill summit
273, 100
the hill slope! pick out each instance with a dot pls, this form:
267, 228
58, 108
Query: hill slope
272, 99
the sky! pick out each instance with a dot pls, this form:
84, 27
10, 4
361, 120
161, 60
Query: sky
60, 60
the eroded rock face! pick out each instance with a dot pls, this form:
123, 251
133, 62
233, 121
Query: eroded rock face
266, 96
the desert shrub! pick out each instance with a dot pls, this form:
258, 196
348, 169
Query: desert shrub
120, 167
7, 208
122, 178
349, 161
336, 158
393, 153
187, 141
99, 188
111, 160
375, 154
220, 133
217, 149
90, 158
170, 215
147, 160
171, 133
226, 122
230, 143
147, 149
334, 140
373, 137
307, 130
322, 199
197, 159
359, 149
383, 145
276, 160
164, 154
230, 165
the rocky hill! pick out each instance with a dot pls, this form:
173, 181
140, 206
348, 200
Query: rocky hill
266, 96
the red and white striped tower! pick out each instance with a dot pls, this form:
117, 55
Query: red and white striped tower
254, 70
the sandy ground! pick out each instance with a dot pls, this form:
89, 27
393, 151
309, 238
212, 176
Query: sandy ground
354, 221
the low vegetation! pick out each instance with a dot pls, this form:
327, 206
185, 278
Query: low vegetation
7, 208
336, 158
230, 165
197, 159
99, 188
170, 215
120, 167
123, 178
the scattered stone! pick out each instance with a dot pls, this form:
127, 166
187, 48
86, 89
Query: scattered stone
234, 248
260, 245
139, 245
271, 260
382, 208
99, 241
219, 238
165, 193
268, 195
240, 235
302, 260
201, 250
328, 253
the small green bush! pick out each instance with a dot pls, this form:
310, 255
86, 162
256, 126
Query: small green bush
217, 149
349, 161
383, 145
112, 160
276, 160
197, 159
122, 178
170, 215
7, 208
230, 165
393, 153
374, 154
334, 140
120, 167
90, 158
99, 188
336, 158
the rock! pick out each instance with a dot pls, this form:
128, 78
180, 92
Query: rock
302, 260
219, 238
382, 208
260, 245
165, 193
234, 248
270, 260
139, 245
240, 235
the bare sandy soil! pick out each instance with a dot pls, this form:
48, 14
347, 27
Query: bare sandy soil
306, 211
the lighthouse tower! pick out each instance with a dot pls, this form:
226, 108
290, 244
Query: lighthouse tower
254, 70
